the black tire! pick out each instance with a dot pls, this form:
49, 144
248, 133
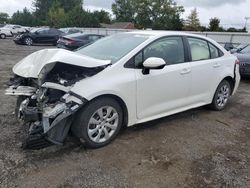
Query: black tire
220, 96
3, 36
81, 125
28, 41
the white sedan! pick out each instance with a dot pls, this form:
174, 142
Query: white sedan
16, 29
5, 33
120, 80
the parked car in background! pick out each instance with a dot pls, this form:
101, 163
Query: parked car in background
244, 57
5, 33
77, 40
39, 35
120, 80
229, 46
70, 30
16, 29
238, 48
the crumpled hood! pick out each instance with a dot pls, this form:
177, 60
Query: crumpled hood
31, 65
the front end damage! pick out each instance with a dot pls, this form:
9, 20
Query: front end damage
46, 104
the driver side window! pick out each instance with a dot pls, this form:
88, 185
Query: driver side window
170, 49
43, 31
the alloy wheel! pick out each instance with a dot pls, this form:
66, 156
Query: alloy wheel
103, 124
223, 95
28, 41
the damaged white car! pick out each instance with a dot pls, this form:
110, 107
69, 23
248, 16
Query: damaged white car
121, 80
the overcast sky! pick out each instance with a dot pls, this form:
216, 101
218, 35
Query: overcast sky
231, 12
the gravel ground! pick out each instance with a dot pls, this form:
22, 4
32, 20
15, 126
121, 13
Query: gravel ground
197, 148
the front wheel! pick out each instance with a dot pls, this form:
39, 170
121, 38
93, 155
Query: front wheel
3, 36
221, 96
28, 41
99, 122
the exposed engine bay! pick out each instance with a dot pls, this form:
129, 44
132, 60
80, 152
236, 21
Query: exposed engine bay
46, 103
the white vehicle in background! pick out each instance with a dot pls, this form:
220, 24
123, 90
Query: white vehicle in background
16, 29
5, 33
120, 80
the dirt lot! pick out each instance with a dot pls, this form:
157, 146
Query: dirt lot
197, 148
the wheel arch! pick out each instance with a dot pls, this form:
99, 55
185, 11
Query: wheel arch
231, 82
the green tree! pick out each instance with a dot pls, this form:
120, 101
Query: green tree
232, 29
214, 24
56, 15
68, 5
78, 17
102, 16
4, 17
193, 22
24, 18
124, 10
160, 14
41, 8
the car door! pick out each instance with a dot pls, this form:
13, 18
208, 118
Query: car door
53, 36
41, 36
206, 68
163, 90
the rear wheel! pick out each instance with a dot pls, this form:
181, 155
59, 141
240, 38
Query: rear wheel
99, 122
28, 41
221, 96
2, 36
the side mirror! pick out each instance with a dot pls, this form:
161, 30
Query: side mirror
152, 63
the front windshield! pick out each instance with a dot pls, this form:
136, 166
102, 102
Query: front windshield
113, 47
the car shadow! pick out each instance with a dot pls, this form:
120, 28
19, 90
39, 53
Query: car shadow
73, 145
245, 79
164, 121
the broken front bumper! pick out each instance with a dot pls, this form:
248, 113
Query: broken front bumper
49, 123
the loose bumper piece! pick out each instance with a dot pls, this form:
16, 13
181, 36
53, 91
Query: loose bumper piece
20, 90
52, 123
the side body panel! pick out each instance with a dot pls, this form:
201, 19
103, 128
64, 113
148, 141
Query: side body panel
162, 90
111, 81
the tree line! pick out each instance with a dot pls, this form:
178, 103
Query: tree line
154, 14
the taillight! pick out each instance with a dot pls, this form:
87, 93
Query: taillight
69, 41
237, 62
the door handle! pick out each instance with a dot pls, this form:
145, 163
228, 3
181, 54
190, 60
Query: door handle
185, 71
216, 65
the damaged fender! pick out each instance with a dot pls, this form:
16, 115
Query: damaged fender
45, 80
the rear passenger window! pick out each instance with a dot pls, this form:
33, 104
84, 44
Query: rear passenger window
214, 51
199, 49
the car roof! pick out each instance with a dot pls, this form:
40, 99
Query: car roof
81, 34
166, 33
